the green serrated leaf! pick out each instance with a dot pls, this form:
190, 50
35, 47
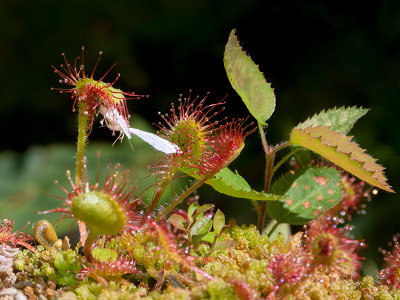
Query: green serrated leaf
192, 208
248, 81
340, 150
310, 194
202, 209
177, 221
209, 237
202, 225
218, 222
339, 119
232, 184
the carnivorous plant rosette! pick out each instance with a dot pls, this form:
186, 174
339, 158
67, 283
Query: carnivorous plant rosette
106, 210
205, 145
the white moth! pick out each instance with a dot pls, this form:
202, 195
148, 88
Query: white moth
115, 122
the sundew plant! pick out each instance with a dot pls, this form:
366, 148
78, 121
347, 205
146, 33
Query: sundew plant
134, 248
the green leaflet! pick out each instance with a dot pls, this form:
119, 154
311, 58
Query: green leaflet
308, 193
218, 222
340, 150
248, 81
201, 226
232, 184
339, 119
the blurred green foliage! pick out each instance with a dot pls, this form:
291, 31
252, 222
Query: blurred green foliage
317, 55
27, 181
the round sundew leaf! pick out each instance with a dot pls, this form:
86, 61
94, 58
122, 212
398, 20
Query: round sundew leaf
311, 192
218, 222
248, 81
202, 225
104, 255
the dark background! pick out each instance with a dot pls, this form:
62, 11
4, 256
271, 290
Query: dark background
316, 55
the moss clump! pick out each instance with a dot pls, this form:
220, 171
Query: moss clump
59, 266
241, 271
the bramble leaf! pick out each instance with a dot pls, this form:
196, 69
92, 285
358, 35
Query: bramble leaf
218, 222
192, 208
202, 209
340, 150
202, 225
178, 221
311, 192
209, 237
232, 184
339, 119
248, 81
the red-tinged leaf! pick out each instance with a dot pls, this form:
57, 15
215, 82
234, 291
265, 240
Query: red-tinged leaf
339, 149
178, 221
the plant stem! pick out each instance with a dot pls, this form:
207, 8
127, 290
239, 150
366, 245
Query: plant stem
268, 177
263, 139
262, 211
161, 189
80, 151
269, 171
87, 248
80, 154
185, 194
256, 206
285, 158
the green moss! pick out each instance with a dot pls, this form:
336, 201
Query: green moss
247, 263
248, 237
90, 290
59, 266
